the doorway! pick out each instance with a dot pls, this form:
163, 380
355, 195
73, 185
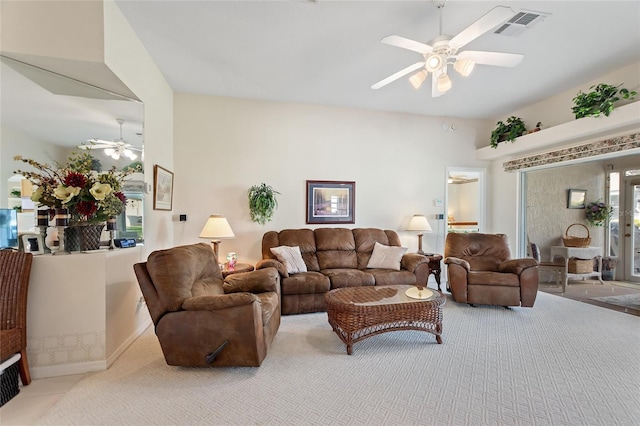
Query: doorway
631, 227
465, 199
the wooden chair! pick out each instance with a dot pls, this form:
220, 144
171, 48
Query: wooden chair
15, 269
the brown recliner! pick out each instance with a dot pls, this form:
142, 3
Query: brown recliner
202, 319
481, 271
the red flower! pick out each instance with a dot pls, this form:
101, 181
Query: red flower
120, 196
86, 208
77, 180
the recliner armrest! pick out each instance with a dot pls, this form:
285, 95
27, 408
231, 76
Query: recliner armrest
260, 281
516, 266
273, 263
457, 261
410, 261
214, 302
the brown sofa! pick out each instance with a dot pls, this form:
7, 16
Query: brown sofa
203, 320
481, 271
334, 258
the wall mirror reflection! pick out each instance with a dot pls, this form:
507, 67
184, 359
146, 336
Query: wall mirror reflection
465, 197
46, 117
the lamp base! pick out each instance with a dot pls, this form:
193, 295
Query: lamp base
419, 293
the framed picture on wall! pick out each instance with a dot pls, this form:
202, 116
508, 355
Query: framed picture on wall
576, 198
330, 201
162, 188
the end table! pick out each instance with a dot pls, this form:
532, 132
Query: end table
434, 266
239, 267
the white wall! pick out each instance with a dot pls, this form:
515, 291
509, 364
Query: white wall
503, 194
224, 146
12, 143
129, 60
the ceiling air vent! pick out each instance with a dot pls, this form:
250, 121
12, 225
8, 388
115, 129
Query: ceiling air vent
521, 21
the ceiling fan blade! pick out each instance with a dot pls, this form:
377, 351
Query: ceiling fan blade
434, 83
405, 43
498, 59
95, 146
397, 75
491, 19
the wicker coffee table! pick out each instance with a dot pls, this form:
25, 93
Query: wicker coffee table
356, 313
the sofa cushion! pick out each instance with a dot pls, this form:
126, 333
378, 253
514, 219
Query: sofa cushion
493, 278
348, 277
303, 238
335, 248
366, 238
291, 257
386, 257
390, 277
305, 283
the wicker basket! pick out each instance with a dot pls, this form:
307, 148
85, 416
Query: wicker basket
580, 266
573, 241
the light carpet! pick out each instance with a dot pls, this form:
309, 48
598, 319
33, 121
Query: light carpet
631, 301
560, 363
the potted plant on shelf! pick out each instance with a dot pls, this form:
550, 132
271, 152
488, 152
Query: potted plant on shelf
262, 203
600, 100
507, 131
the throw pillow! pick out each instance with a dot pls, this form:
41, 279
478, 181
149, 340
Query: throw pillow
386, 257
291, 257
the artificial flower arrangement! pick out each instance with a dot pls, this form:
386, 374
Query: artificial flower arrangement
89, 196
598, 213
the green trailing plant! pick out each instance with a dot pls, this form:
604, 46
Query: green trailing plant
262, 203
507, 131
600, 100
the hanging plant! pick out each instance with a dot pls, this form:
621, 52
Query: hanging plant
507, 131
600, 100
262, 203
598, 213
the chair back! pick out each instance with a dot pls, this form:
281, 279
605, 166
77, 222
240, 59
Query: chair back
171, 276
484, 252
15, 270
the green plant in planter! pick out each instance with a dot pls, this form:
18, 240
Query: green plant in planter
507, 131
262, 203
600, 100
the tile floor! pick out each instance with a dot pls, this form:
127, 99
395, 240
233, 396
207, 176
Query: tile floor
34, 400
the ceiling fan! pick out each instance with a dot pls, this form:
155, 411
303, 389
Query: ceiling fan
114, 149
443, 50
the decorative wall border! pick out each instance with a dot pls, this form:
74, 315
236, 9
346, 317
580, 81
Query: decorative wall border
617, 144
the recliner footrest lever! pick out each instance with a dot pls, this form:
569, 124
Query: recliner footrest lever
212, 356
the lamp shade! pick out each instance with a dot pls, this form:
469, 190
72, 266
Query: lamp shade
217, 227
419, 223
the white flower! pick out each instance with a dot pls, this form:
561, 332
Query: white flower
100, 190
65, 193
37, 194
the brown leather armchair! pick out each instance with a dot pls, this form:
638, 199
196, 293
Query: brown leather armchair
204, 320
480, 270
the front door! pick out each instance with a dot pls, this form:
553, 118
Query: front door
631, 230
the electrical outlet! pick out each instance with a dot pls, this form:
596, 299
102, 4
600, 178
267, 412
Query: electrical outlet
183, 218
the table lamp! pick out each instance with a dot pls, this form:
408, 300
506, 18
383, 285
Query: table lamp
419, 223
217, 228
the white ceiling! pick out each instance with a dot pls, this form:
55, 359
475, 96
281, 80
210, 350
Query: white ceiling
329, 52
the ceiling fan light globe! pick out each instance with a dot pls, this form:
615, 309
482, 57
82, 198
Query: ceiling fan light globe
434, 63
464, 66
130, 154
109, 151
417, 79
444, 83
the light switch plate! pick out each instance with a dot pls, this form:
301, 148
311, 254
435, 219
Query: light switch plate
438, 202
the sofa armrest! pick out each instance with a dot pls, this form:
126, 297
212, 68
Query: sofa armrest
457, 261
273, 263
516, 266
260, 281
214, 302
410, 261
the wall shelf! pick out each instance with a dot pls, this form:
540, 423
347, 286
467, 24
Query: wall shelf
623, 120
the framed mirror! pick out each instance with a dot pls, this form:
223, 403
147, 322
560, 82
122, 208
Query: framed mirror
465, 199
